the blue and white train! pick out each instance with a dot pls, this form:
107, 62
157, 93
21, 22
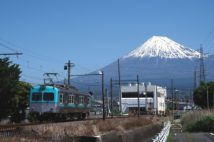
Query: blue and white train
58, 103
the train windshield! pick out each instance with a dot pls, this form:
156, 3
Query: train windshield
36, 96
48, 96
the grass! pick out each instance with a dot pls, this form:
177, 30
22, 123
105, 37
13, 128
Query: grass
170, 137
122, 124
204, 125
198, 121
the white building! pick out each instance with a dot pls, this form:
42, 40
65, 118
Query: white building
152, 98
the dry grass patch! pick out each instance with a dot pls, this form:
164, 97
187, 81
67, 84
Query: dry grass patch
194, 116
58, 131
121, 124
89, 128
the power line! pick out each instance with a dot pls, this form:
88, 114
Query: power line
32, 77
7, 47
35, 55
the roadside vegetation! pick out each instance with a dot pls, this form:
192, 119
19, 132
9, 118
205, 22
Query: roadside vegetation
170, 137
198, 121
204, 91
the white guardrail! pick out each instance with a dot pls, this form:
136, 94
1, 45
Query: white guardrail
162, 136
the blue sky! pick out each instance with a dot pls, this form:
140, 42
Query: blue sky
94, 33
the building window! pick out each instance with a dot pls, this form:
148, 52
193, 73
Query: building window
71, 99
81, 100
135, 95
61, 98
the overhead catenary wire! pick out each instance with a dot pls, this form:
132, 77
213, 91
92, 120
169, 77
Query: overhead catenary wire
33, 54
7, 47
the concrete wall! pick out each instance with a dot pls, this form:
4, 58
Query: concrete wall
140, 134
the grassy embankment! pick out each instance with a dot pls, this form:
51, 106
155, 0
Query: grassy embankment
198, 121
58, 131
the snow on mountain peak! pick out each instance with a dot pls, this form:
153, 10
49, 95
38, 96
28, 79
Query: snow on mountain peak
163, 47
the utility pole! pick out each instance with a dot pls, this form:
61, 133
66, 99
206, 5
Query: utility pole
106, 102
111, 98
172, 91
190, 97
208, 106
195, 79
103, 97
138, 96
120, 108
146, 101
68, 67
202, 77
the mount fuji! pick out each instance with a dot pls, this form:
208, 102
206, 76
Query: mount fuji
158, 60
163, 47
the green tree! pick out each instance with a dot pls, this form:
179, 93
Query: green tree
200, 95
9, 79
21, 96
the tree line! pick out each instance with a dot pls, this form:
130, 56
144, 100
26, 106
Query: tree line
204, 95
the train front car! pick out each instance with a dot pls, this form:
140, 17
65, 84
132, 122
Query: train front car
43, 102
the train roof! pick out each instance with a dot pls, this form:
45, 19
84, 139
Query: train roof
62, 88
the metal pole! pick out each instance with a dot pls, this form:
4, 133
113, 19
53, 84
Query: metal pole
172, 89
138, 96
111, 97
146, 97
213, 101
120, 108
106, 101
208, 106
103, 95
69, 71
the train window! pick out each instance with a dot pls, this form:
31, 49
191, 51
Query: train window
48, 96
61, 98
71, 99
81, 99
36, 96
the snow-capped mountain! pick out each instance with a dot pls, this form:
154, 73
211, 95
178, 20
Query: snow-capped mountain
163, 47
158, 60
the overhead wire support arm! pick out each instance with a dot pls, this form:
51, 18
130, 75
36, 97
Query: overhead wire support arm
87, 74
6, 54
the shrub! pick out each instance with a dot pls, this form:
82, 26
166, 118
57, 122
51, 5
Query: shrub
204, 125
